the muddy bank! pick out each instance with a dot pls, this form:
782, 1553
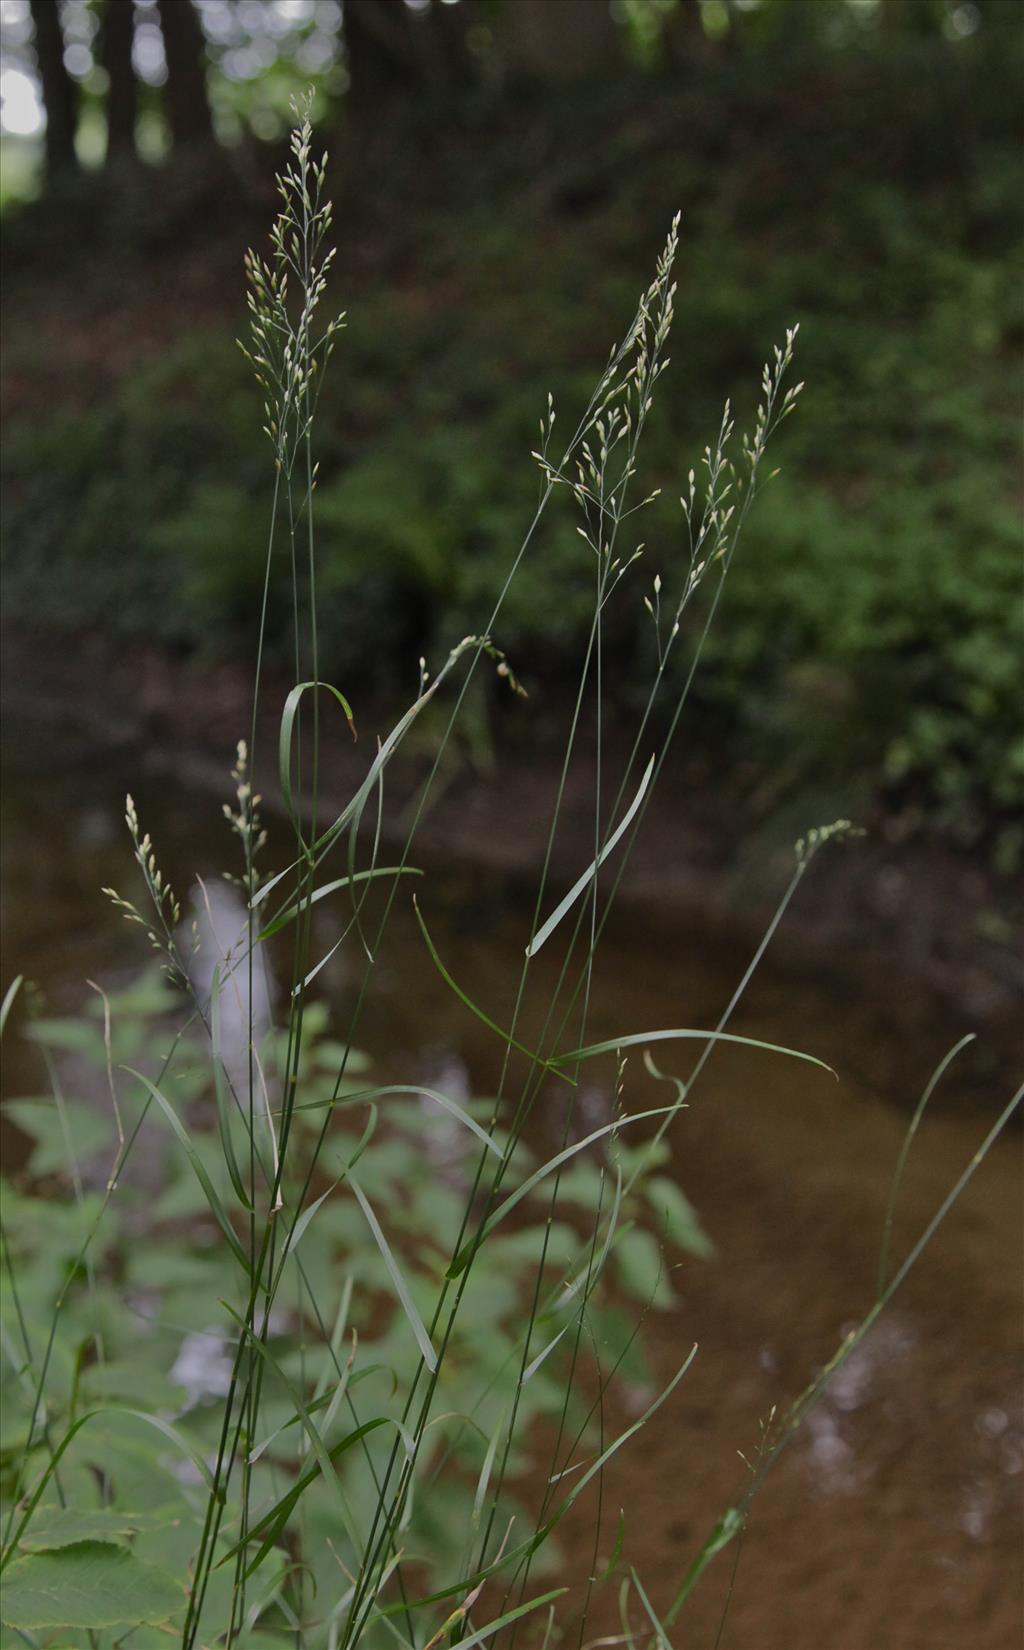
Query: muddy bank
906, 925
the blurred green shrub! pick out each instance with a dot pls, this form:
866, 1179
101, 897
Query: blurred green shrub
875, 612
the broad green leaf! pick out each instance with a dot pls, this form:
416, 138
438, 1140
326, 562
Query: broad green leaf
677, 1216
54, 1527
90, 1584
641, 1268
88, 1131
143, 1382
77, 1036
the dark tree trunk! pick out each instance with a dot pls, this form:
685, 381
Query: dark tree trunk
60, 94
567, 40
185, 96
381, 54
122, 101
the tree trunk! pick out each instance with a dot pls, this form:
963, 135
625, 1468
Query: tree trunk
380, 51
60, 94
552, 40
118, 25
185, 96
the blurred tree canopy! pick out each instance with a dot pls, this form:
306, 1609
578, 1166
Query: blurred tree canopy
106, 79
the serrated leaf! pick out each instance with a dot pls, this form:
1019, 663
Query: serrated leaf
677, 1216
76, 1036
641, 1268
55, 1527
89, 1584
88, 1132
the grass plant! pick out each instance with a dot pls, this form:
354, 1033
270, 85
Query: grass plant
396, 1303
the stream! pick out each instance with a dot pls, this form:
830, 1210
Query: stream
893, 1520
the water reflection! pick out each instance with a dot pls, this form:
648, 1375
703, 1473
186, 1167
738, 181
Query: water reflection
215, 937
919, 1433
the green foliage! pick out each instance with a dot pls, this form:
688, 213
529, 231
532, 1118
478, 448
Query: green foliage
875, 618
143, 1297
89, 1584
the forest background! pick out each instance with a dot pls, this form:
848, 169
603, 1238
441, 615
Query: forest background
502, 174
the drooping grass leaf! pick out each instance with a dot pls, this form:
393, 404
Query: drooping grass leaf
284, 745
293, 910
395, 1273
274, 1520
9, 996
506, 1037
579, 887
525, 1187
224, 1102
209, 1190
637, 1038
908, 1140
415, 1091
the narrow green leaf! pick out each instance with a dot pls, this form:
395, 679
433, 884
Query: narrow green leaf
510, 1616
579, 887
468, 1249
274, 1520
613, 1563
303, 1219
394, 1271
908, 1140
415, 1090
294, 1237
224, 1102
9, 996
661, 1637
209, 1190
617, 1443
532, 1368
549, 1065
284, 744
292, 911
637, 1038
327, 1400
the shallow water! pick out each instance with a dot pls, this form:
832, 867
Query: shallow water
894, 1519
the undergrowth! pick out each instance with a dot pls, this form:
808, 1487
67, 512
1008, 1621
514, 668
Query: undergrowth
870, 663
281, 1341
